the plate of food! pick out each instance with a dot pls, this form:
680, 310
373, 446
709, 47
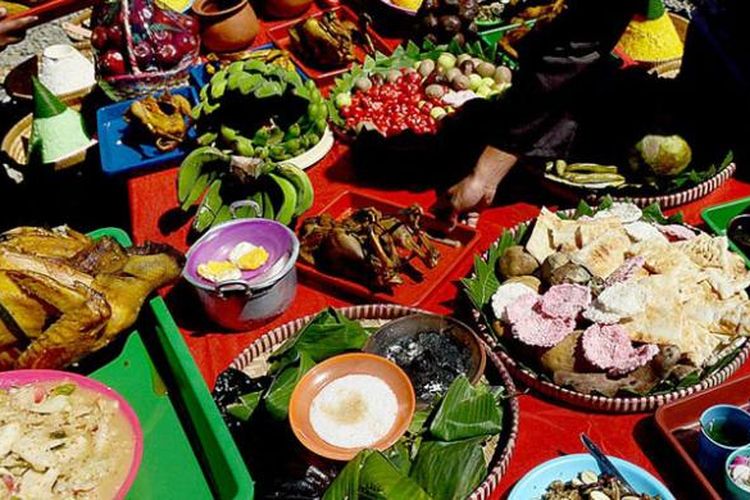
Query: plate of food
145, 132
660, 170
613, 308
576, 476
445, 461
327, 43
68, 434
418, 254
60, 289
413, 89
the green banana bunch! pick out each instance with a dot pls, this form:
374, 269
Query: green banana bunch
243, 85
282, 192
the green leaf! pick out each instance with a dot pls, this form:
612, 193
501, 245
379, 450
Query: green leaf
280, 392
245, 406
466, 412
417, 422
346, 484
412, 50
399, 456
328, 334
653, 213
379, 479
369, 63
582, 209
449, 471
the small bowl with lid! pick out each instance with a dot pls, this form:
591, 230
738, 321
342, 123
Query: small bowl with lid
253, 296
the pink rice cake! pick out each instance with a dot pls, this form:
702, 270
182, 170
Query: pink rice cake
609, 348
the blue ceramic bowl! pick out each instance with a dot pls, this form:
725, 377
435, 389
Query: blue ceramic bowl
737, 491
533, 485
712, 455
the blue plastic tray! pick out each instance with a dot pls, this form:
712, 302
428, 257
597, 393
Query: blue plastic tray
119, 157
200, 78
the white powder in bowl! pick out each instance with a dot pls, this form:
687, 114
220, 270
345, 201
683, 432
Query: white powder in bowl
63, 70
354, 411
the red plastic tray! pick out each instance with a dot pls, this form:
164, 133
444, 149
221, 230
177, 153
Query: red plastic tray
279, 35
410, 293
679, 423
53, 9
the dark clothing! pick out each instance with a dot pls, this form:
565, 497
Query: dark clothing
570, 100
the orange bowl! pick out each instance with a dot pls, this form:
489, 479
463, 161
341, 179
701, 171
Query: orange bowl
334, 368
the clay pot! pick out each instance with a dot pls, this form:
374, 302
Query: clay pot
226, 29
283, 9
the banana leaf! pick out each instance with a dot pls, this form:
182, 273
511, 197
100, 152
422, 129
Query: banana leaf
278, 395
466, 412
379, 479
449, 471
245, 406
346, 484
399, 456
328, 334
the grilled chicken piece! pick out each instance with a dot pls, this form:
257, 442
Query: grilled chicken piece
57, 306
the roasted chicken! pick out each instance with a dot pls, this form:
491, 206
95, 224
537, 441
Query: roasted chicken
166, 118
327, 41
368, 245
64, 295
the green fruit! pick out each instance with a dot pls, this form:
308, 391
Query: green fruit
278, 153
192, 167
199, 187
236, 67
285, 198
317, 111
217, 89
243, 147
233, 82
293, 146
446, 61
294, 131
321, 126
207, 139
268, 212
302, 185
474, 81
223, 215
219, 76
261, 137
209, 207
228, 134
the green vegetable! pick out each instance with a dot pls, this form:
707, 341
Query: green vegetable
466, 412
64, 389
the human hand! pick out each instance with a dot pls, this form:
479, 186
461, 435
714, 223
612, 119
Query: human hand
13, 30
478, 189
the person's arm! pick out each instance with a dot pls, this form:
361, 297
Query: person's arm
12, 30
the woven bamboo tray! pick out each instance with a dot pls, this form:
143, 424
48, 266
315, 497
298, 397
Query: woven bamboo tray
272, 340
536, 381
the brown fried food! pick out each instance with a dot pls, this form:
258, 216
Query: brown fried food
326, 42
368, 245
55, 310
166, 118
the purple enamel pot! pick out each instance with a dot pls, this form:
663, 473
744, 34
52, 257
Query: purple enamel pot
260, 294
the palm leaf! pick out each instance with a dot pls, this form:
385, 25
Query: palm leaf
278, 395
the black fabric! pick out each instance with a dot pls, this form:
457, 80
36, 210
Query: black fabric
571, 101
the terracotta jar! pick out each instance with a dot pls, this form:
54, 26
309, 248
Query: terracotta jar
287, 8
226, 29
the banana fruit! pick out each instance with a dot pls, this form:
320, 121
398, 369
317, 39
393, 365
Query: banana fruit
282, 192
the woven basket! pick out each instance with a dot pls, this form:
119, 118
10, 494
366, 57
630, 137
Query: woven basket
665, 201
139, 83
499, 463
535, 381
16, 145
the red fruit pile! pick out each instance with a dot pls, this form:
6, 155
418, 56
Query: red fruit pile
161, 39
393, 107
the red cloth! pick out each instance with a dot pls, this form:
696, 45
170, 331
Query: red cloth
547, 429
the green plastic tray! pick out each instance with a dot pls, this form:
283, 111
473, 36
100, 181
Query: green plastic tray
717, 219
188, 450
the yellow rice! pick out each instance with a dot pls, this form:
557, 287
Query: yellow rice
652, 41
